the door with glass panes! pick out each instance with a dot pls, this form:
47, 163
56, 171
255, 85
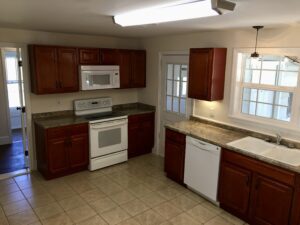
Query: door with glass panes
174, 104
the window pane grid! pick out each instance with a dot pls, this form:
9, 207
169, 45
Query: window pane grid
176, 84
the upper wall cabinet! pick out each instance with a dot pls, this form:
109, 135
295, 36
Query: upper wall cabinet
207, 73
53, 69
132, 66
89, 56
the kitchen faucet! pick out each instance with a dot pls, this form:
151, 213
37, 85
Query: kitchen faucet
278, 139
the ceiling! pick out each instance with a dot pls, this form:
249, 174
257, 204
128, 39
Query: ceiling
94, 16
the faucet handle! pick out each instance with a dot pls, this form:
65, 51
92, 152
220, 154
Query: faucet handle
278, 138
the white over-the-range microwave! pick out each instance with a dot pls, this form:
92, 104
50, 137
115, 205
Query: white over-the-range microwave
99, 77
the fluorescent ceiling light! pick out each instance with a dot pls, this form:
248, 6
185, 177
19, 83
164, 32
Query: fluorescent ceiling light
182, 10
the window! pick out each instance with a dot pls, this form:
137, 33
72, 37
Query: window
11, 66
176, 88
266, 88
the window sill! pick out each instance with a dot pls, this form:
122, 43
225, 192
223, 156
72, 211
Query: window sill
273, 124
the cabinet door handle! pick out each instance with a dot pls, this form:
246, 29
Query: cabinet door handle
56, 84
60, 85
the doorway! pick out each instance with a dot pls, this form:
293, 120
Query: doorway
174, 104
13, 130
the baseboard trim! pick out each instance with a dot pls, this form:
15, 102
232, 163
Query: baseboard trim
5, 140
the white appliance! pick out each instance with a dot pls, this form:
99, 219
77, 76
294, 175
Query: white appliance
99, 77
107, 132
201, 174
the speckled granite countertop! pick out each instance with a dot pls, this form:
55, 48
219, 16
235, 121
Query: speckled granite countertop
64, 118
221, 136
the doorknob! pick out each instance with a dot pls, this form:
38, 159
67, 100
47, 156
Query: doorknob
23, 109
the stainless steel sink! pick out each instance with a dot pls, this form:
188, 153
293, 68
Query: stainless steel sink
272, 151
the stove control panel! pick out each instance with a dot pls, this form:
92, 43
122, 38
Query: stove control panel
92, 104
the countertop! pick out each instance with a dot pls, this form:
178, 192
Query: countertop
64, 118
221, 136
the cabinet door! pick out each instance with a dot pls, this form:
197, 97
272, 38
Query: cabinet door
146, 134
174, 160
234, 189
271, 202
57, 156
134, 142
138, 75
199, 73
78, 151
110, 57
68, 69
89, 56
44, 74
125, 69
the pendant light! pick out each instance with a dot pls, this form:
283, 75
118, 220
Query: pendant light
255, 53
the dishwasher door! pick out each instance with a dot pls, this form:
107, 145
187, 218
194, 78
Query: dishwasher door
202, 161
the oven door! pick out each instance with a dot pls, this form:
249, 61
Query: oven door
92, 80
108, 137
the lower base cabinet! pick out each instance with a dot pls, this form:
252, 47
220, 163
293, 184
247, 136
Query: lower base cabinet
62, 150
174, 155
140, 134
259, 193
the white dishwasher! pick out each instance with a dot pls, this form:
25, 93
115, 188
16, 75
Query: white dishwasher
202, 161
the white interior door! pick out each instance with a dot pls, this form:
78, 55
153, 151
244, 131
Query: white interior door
15, 93
174, 104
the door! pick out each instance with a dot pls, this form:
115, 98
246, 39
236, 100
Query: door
174, 104
138, 75
67, 69
234, 189
58, 155
78, 151
16, 153
271, 202
45, 68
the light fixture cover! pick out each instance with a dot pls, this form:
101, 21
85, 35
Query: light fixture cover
181, 10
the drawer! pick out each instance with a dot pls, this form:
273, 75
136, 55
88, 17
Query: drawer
141, 117
79, 129
57, 132
66, 131
282, 175
175, 136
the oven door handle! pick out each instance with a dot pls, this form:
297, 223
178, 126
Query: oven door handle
108, 124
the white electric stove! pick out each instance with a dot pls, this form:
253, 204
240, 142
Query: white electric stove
107, 131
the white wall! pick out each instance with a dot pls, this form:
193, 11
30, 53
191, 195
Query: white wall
286, 37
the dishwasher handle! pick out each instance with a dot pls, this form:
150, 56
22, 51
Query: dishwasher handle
202, 145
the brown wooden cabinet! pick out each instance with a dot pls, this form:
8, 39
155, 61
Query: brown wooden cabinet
61, 150
235, 191
138, 61
207, 73
53, 69
174, 155
271, 202
132, 66
255, 191
89, 56
140, 134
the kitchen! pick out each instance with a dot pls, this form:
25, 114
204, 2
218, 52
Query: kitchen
156, 48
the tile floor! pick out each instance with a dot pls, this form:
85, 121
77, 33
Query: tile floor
132, 193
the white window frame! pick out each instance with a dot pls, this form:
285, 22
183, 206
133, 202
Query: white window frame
237, 85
